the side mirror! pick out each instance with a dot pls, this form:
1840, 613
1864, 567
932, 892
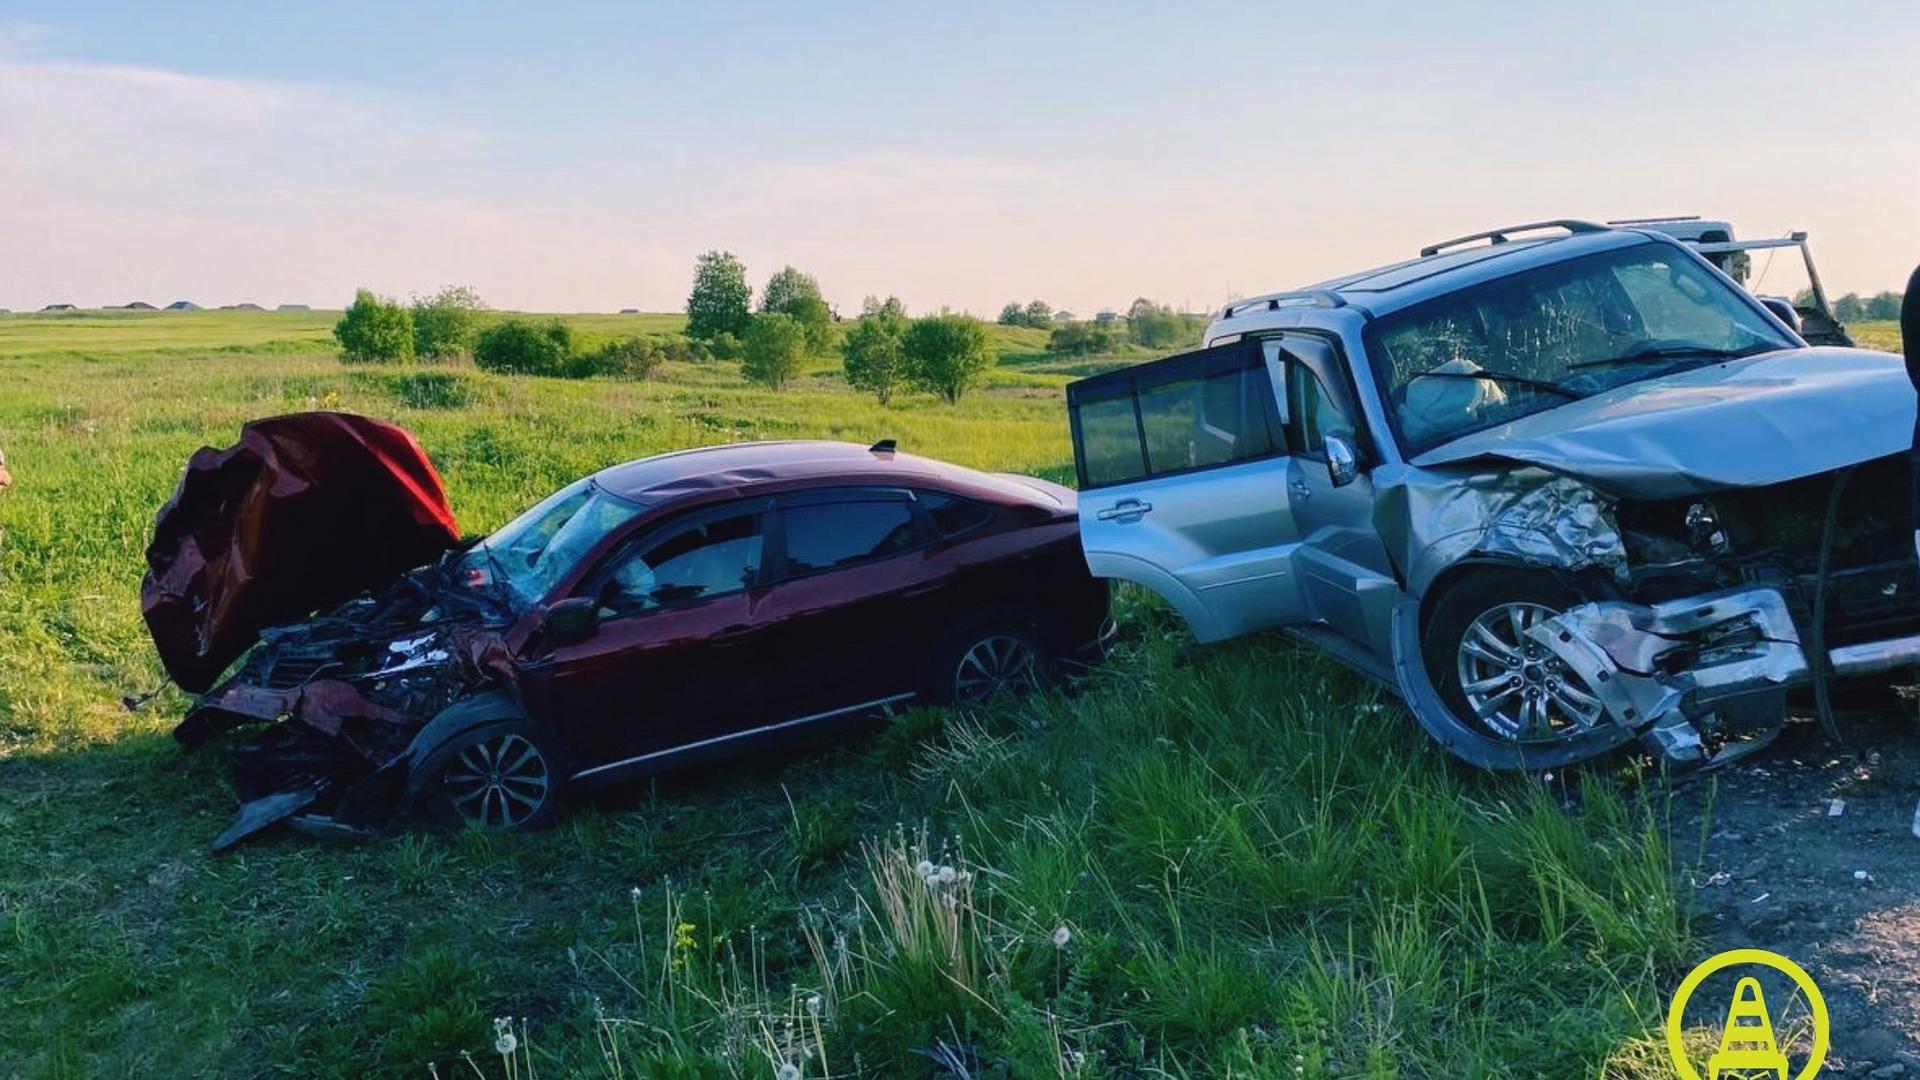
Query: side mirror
1782, 309
571, 621
1343, 461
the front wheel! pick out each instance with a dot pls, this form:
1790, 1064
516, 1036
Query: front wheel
1491, 674
503, 776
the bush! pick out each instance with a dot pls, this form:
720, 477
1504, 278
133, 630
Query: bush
445, 324
1157, 326
517, 346
1081, 339
374, 329
623, 358
1036, 313
946, 354
719, 301
871, 354
772, 350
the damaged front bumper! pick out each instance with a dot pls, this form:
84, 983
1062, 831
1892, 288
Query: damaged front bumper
1667, 672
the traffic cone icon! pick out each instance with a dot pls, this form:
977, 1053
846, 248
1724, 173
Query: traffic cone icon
1747, 1043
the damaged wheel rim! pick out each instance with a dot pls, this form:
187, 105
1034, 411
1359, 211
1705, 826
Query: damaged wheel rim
1516, 688
498, 783
994, 665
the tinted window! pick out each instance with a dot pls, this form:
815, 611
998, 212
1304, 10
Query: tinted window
828, 535
952, 514
1187, 412
690, 563
1312, 408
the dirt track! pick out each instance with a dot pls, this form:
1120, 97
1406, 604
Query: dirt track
1780, 872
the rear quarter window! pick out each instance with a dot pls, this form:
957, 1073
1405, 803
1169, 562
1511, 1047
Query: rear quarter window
954, 514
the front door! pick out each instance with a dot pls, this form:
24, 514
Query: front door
1184, 486
679, 655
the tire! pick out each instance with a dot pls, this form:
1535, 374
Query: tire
503, 776
995, 657
1496, 683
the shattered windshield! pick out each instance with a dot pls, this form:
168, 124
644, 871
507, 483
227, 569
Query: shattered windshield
535, 550
1537, 339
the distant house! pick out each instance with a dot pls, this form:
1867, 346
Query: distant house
241, 307
1063, 316
1106, 316
629, 311
293, 307
136, 305
183, 305
59, 307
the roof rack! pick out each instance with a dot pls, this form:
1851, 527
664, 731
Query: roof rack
1654, 220
1273, 301
1499, 236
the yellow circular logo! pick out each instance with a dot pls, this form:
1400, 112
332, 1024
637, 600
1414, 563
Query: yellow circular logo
1747, 1042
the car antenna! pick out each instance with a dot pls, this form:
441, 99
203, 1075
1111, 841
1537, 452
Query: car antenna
884, 446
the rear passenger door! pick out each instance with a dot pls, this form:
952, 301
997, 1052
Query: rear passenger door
1183, 472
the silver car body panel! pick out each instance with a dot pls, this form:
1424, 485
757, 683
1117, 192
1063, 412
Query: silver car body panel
1277, 543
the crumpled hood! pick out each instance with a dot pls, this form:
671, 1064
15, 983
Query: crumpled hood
302, 513
1750, 422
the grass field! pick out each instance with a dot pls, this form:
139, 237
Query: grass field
1233, 861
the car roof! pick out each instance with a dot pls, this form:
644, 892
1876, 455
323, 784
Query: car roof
744, 467
1384, 289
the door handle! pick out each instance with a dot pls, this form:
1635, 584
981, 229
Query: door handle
1125, 510
731, 633
1300, 488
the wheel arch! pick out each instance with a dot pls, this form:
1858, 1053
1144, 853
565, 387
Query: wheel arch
1116, 567
463, 717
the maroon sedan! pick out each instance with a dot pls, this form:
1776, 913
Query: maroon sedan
657, 613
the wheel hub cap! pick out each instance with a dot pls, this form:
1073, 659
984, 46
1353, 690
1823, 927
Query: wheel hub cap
1516, 688
499, 783
993, 666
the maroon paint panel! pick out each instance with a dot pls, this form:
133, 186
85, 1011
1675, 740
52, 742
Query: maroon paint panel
303, 512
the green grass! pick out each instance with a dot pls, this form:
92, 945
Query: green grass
1261, 868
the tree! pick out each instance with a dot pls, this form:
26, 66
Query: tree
1848, 308
1154, 325
1013, 314
445, 323
946, 354
772, 349
871, 354
1884, 305
374, 329
1080, 339
1039, 314
519, 346
720, 298
787, 285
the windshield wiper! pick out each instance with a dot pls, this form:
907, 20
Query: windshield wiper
1669, 352
1503, 377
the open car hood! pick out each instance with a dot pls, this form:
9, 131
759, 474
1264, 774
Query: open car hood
305, 511
1744, 423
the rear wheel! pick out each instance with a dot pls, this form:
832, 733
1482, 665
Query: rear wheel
504, 776
995, 659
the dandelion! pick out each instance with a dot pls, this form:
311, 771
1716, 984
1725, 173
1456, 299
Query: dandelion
1061, 936
947, 875
634, 892
788, 1071
504, 1042
925, 867
933, 882
813, 1004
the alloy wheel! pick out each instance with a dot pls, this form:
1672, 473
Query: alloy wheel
1001, 663
1517, 688
499, 783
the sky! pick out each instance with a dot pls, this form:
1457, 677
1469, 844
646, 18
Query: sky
579, 156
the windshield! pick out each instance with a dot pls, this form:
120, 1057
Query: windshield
532, 552
1540, 338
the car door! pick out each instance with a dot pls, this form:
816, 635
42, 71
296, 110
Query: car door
1183, 473
1345, 578
679, 655
853, 609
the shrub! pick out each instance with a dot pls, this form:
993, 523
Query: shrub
374, 329
946, 354
871, 354
445, 324
773, 349
1157, 326
720, 297
517, 346
1036, 313
1080, 339
624, 358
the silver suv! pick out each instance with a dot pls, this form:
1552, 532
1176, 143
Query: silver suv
1559, 485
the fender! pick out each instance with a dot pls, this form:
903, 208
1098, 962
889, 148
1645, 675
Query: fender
459, 718
1121, 567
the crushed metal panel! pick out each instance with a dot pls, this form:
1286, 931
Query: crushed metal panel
302, 512
1430, 519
